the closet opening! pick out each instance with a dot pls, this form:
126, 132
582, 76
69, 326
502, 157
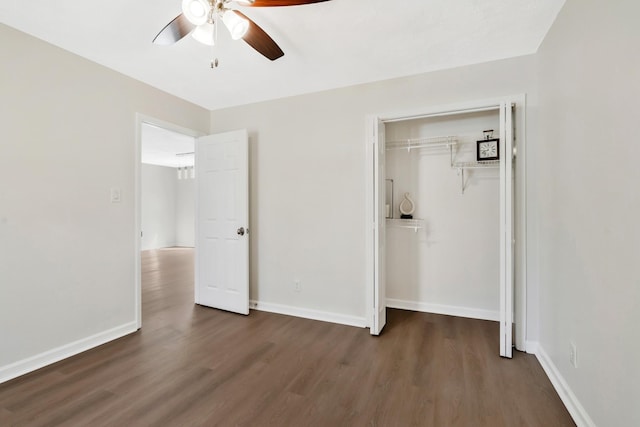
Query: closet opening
442, 215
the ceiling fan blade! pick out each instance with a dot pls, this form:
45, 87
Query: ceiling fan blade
258, 39
271, 3
174, 31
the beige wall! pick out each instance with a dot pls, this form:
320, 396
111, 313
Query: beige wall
159, 204
167, 208
185, 212
308, 177
68, 135
589, 233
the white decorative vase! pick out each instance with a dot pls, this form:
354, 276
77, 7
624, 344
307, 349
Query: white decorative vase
407, 207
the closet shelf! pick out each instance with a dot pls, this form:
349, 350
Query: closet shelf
452, 143
433, 142
462, 166
487, 164
414, 224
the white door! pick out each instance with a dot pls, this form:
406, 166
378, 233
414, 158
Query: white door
506, 230
222, 218
379, 276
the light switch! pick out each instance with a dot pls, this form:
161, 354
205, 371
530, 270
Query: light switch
116, 195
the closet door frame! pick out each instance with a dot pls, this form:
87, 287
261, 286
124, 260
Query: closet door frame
517, 204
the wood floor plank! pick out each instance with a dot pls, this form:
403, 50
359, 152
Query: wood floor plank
6, 417
196, 366
65, 412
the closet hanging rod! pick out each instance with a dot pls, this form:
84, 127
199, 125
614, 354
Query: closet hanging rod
414, 145
400, 145
432, 142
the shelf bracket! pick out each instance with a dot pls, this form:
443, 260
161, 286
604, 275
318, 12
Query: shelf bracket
461, 173
451, 154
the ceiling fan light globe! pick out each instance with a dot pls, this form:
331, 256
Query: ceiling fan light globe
204, 34
236, 25
196, 11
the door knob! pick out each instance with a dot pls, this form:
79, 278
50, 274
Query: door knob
240, 231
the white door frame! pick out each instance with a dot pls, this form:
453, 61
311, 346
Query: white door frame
140, 120
507, 236
520, 287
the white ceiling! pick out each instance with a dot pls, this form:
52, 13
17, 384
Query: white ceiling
327, 45
163, 147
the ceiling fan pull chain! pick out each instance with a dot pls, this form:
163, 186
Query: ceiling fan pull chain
214, 19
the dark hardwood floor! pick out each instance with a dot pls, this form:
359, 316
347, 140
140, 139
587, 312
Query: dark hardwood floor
195, 366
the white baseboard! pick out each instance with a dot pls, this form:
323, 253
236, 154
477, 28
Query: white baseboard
577, 411
307, 313
451, 310
531, 347
41, 360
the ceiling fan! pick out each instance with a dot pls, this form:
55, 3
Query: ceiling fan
200, 18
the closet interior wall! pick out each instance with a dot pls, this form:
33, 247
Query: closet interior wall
451, 264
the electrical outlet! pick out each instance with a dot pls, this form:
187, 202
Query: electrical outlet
573, 355
296, 286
